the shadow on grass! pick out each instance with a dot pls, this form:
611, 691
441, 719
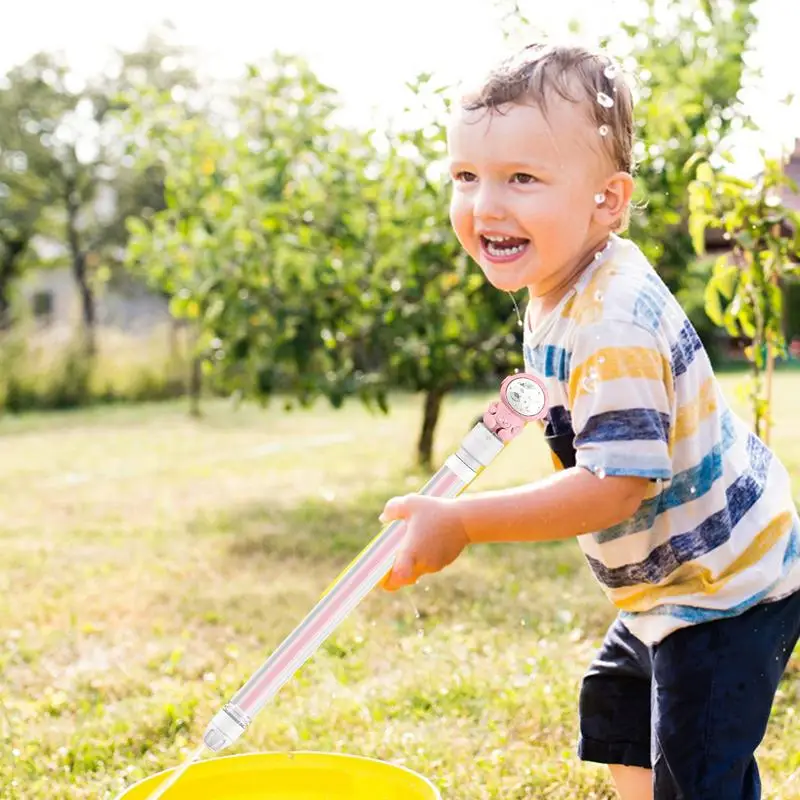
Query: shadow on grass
490, 584
314, 529
336, 530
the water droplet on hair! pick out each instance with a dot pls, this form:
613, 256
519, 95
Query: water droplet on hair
611, 71
605, 100
603, 130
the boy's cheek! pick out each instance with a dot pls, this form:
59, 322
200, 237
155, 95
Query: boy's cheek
460, 215
463, 233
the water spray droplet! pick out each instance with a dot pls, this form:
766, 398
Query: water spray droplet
598, 296
603, 130
600, 473
693, 490
589, 382
413, 606
605, 100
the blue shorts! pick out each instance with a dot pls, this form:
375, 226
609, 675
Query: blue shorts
694, 707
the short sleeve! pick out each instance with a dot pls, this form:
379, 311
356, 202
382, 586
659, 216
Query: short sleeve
621, 400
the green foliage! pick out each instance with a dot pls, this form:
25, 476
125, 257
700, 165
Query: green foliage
313, 260
29, 112
689, 67
63, 174
269, 238
745, 292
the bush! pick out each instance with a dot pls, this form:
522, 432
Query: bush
51, 370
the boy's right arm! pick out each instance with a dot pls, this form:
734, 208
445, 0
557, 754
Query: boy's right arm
570, 503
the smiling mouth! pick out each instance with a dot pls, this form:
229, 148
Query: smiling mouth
503, 248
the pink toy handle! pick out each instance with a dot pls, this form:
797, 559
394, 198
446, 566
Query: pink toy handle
523, 398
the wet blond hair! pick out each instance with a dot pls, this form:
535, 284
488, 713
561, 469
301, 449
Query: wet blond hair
575, 74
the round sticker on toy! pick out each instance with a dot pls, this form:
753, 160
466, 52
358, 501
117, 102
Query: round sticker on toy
525, 395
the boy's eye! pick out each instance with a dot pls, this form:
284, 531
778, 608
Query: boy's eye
522, 177
465, 177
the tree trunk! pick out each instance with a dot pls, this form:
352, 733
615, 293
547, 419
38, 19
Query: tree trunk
79, 271
433, 405
195, 386
758, 389
768, 392
8, 269
771, 359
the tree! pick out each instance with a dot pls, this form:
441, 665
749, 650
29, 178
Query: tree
268, 237
75, 187
29, 115
745, 293
689, 62
313, 262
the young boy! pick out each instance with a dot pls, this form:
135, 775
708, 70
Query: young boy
685, 517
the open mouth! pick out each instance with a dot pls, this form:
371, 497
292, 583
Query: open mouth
503, 248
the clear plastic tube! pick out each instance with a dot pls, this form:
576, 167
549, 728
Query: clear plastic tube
520, 402
348, 590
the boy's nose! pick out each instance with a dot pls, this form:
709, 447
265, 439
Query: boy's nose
488, 205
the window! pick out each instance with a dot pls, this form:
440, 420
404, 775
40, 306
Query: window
42, 303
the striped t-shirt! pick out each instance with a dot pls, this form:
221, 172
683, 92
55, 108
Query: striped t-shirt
631, 392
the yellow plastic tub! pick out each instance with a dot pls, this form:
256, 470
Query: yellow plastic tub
290, 776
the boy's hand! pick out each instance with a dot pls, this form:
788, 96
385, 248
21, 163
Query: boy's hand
433, 539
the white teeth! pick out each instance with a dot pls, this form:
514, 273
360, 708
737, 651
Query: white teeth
497, 238
504, 251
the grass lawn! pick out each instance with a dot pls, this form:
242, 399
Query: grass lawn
150, 562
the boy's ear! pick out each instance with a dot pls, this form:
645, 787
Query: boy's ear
618, 193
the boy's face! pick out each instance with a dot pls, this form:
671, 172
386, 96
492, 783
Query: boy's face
533, 178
